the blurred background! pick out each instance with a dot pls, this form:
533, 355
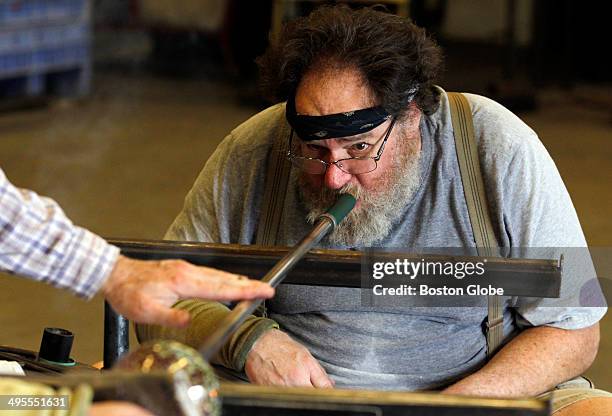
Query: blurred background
112, 108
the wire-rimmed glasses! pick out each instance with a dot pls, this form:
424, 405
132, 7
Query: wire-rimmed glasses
351, 165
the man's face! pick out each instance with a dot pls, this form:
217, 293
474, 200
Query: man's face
381, 193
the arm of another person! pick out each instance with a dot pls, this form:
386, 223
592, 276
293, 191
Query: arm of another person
38, 241
560, 337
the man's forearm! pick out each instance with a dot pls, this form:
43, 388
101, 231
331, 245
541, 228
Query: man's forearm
205, 317
532, 363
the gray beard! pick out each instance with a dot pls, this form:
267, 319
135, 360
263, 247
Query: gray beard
378, 211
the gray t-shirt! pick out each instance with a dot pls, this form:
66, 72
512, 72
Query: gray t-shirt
399, 348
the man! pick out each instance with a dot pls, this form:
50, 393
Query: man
365, 117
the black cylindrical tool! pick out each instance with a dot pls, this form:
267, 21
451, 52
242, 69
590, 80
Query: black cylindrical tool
55, 346
275, 276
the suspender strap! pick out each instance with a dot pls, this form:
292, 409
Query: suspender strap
275, 189
476, 199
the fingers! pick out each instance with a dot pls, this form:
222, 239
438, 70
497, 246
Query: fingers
243, 289
209, 283
319, 378
305, 374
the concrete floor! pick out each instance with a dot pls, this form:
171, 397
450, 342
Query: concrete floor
121, 162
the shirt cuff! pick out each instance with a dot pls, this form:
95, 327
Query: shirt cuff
263, 325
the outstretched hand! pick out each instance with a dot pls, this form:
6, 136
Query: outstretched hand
144, 291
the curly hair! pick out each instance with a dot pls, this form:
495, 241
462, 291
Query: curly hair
392, 54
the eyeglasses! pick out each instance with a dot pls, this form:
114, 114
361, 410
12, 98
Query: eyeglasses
351, 165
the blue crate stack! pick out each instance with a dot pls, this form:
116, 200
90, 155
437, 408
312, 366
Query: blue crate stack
45, 47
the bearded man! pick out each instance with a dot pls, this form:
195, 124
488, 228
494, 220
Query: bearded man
362, 114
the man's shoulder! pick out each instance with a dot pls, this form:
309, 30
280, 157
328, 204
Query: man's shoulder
259, 130
509, 149
501, 135
497, 129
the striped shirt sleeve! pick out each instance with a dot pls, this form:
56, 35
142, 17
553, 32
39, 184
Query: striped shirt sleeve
38, 241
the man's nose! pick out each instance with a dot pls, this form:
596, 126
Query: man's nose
335, 178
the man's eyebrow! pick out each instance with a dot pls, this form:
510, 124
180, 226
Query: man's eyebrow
351, 139
362, 136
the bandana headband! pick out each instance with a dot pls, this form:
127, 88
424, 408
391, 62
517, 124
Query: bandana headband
337, 125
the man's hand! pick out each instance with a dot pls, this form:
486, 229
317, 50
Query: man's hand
278, 360
144, 291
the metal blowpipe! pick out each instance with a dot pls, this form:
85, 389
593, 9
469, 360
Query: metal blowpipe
324, 224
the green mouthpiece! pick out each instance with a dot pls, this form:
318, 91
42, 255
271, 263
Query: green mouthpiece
342, 207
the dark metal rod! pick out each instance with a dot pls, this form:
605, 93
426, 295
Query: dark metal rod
343, 268
274, 277
280, 270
